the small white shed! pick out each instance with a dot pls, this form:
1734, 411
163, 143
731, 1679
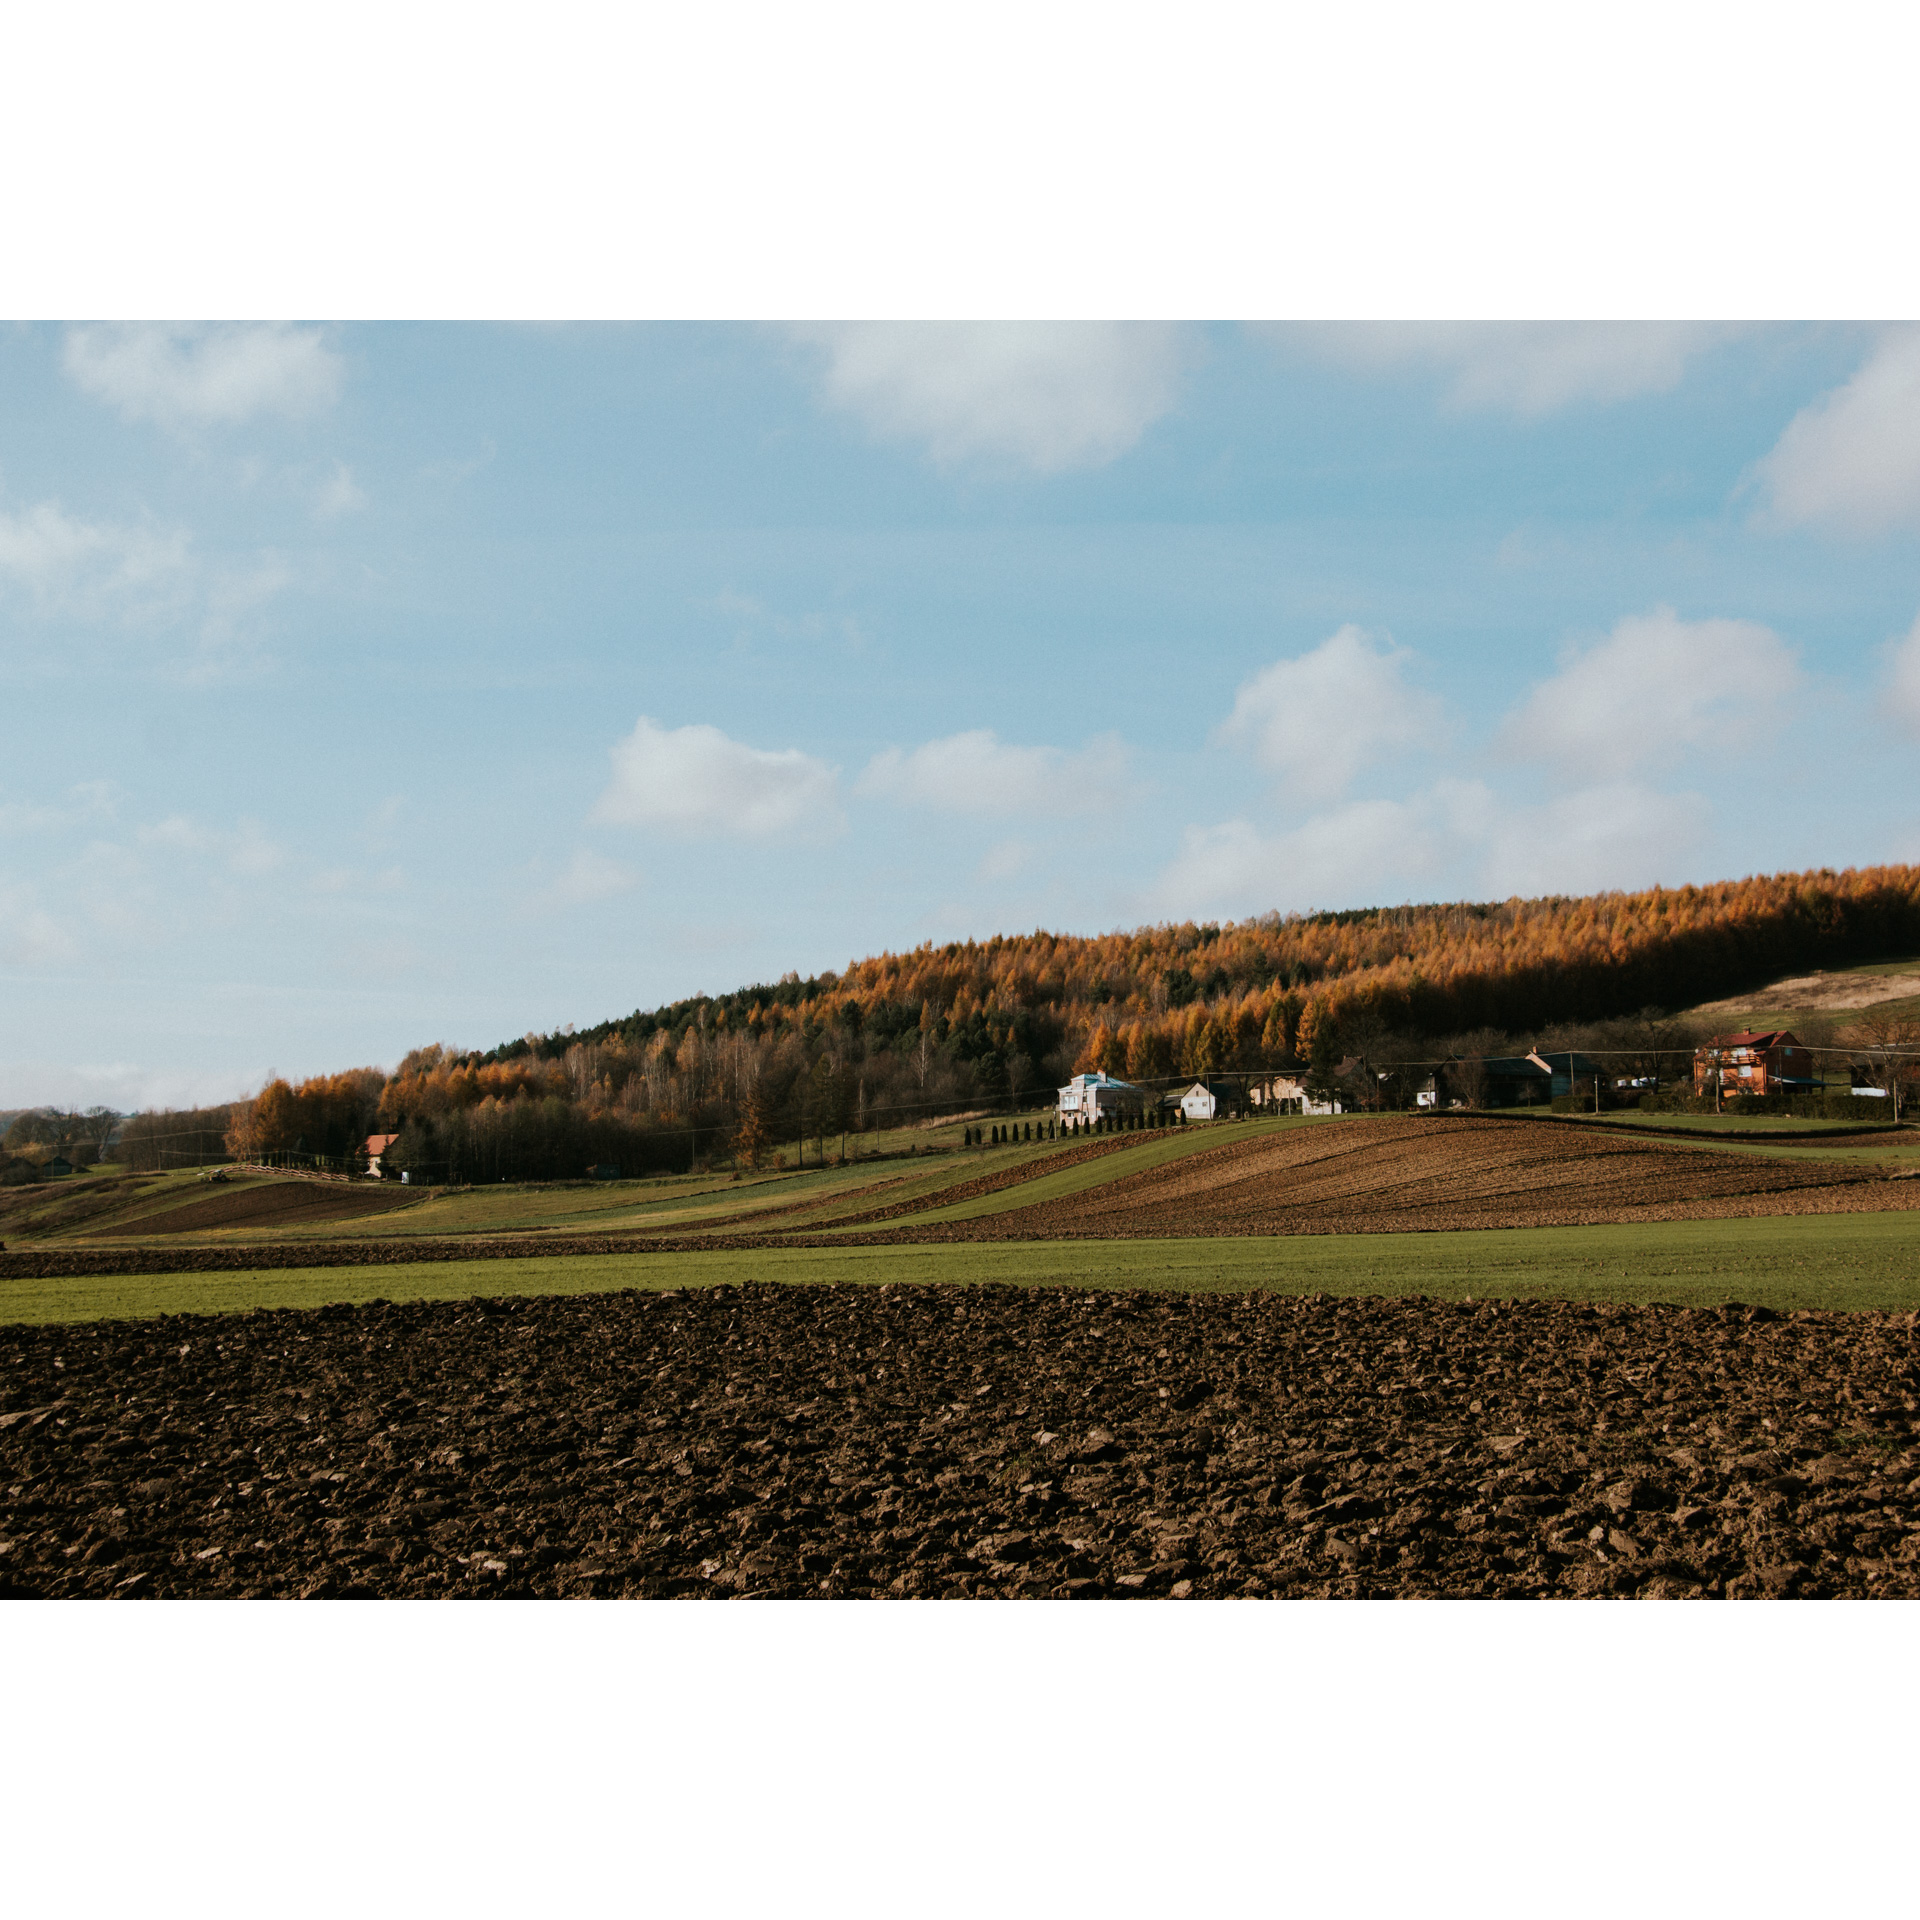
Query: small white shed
1198, 1102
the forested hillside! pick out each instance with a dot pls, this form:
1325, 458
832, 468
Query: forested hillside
974, 1024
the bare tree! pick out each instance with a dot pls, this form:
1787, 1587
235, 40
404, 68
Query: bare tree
1890, 1042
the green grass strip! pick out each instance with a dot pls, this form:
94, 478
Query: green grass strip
1845, 1262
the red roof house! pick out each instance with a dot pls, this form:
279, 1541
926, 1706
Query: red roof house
1755, 1063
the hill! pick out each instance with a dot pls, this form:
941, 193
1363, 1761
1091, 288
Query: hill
973, 1024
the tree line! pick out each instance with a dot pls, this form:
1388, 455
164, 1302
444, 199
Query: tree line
988, 1026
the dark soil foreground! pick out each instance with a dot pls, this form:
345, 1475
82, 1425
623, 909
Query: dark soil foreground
944, 1441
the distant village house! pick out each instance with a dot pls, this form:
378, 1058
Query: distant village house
1201, 1101
1287, 1092
378, 1145
1089, 1097
1755, 1063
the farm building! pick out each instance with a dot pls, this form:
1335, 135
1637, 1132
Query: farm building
1521, 1080
1204, 1100
1756, 1063
377, 1145
1093, 1096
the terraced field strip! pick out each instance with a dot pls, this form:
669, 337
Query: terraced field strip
855, 1205
1409, 1176
264, 1203
1844, 1262
1130, 1158
1866, 1144
500, 1210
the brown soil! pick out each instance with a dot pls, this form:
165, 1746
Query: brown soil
278, 1203
799, 1441
1417, 1175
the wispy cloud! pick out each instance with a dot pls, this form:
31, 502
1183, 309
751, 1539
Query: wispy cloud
30, 936
696, 781
186, 376
1047, 395
978, 773
246, 849
1528, 368
587, 877
86, 569
62, 569
339, 493
1453, 833
85, 804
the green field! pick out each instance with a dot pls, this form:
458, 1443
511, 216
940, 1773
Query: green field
1845, 1262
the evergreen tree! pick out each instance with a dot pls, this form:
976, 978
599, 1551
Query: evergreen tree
1323, 1062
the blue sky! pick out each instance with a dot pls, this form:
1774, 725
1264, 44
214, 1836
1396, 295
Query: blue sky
370, 685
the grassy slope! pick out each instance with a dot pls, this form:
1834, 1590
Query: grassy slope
1760, 1011
1846, 1262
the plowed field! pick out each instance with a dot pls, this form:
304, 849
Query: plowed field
931, 1441
1400, 1176
275, 1203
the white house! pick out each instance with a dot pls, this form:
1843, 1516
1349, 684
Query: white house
1088, 1097
1198, 1102
1287, 1093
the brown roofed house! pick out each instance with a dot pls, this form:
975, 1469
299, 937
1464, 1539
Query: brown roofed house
1755, 1063
377, 1144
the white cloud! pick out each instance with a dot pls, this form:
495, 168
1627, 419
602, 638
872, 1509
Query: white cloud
1051, 395
1853, 457
978, 773
1454, 835
588, 877
1903, 678
1525, 367
1655, 689
179, 376
695, 780
1315, 720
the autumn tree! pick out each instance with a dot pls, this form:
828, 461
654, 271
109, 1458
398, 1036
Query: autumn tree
754, 1137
